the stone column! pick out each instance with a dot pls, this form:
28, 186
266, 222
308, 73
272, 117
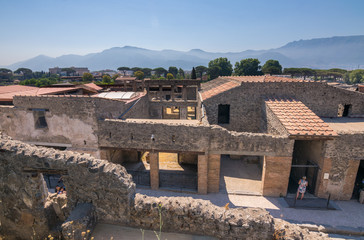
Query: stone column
202, 169
154, 170
172, 92
184, 93
183, 113
213, 176
349, 181
275, 176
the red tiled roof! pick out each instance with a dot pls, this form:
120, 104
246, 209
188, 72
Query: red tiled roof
298, 119
264, 78
216, 86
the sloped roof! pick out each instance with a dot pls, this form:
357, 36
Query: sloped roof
92, 86
225, 83
8, 92
298, 119
217, 86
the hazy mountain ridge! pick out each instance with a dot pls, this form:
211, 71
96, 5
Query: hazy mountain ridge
342, 52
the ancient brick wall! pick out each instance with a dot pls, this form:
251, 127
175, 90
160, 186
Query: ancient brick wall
247, 108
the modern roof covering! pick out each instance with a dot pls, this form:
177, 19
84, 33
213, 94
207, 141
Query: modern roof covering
263, 78
8, 92
217, 86
299, 120
118, 95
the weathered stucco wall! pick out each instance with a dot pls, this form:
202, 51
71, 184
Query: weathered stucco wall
342, 158
246, 102
70, 120
189, 138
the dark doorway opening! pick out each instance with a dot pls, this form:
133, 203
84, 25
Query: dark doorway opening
359, 184
223, 114
305, 160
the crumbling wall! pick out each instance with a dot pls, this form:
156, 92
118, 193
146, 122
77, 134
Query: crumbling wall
188, 215
246, 102
22, 213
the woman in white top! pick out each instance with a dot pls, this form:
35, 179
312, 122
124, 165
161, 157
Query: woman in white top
302, 184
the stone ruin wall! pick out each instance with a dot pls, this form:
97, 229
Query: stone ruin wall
247, 102
189, 138
110, 191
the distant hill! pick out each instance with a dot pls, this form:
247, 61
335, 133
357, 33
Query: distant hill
335, 52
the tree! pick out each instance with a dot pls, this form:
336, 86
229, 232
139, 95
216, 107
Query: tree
193, 73
87, 77
356, 76
123, 69
248, 67
173, 70
160, 71
6, 74
170, 76
27, 73
115, 76
134, 69
139, 75
146, 71
272, 67
106, 79
181, 73
200, 70
219, 67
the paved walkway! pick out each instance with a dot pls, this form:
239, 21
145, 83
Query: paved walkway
350, 216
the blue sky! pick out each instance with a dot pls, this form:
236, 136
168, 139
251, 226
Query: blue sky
56, 27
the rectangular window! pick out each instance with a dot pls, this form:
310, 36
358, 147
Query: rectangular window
39, 118
223, 114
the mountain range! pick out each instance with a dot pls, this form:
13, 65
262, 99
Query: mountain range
320, 53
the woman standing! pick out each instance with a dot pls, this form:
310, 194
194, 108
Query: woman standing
302, 184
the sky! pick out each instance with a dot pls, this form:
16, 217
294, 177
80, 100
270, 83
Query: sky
57, 27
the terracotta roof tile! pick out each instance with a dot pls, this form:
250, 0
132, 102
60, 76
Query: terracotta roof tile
298, 119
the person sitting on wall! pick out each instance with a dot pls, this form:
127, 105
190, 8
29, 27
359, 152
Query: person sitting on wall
58, 188
302, 184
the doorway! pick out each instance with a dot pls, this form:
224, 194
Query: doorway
359, 184
305, 162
